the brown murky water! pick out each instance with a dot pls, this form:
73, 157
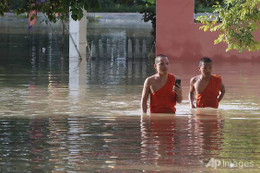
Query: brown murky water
49, 124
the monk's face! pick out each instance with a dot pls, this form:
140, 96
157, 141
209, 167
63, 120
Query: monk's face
162, 65
205, 69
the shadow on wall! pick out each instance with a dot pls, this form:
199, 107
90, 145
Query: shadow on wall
184, 51
193, 51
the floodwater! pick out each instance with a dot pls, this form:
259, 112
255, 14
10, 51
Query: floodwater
49, 123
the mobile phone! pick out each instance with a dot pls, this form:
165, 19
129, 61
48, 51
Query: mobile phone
177, 82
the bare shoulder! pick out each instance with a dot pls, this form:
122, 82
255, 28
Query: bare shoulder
177, 77
194, 79
150, 79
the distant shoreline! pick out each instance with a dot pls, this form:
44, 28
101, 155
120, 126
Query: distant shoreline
132, 17
106, 19
95, 20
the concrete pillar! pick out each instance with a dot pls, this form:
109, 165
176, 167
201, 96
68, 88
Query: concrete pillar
108, 53
78, 36
100, 49
93, 49
137, 48
144, 50
129, 49
77, 50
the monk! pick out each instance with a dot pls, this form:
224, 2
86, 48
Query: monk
161, 89
209, 89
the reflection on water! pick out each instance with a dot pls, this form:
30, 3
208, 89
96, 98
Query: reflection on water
118, 72
180, 141
48, 125
125, 143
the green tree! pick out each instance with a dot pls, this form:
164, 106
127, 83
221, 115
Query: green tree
3, 6
59, 9
239, 21
149, 15
53, 9
202, 6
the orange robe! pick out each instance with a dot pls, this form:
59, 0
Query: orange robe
164, 99
209, 96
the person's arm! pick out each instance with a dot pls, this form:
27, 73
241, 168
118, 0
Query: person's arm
191, 93
222, 92
145, 95
178, 91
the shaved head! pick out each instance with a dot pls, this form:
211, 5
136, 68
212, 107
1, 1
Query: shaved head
158, 57
204, 60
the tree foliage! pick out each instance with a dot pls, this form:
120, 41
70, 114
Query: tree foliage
3, 6
53, 9
59, 9
205, 5
239, 21
149, 14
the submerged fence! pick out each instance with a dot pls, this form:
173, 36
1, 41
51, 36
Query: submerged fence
126, 47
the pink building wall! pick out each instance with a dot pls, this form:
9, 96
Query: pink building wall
178, 37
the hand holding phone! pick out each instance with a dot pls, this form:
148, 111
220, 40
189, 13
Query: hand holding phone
178, 90
177, 82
